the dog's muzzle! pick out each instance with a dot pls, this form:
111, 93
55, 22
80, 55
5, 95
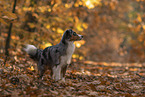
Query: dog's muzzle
81, 37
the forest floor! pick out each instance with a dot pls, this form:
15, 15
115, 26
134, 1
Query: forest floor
19, 77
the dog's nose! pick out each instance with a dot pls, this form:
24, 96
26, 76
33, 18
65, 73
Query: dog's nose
81, 37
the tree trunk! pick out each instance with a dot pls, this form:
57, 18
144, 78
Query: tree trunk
9, 35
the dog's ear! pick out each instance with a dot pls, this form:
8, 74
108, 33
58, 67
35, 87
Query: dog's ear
68, 34
67, 31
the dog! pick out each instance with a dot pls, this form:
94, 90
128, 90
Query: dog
55, 58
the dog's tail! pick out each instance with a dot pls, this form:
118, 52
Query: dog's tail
33, 52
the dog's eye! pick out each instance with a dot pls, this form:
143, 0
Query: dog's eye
74, 34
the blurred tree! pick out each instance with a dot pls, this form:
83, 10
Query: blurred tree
137, 31
9, 35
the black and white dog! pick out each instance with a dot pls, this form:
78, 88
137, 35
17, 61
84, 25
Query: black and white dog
55, 58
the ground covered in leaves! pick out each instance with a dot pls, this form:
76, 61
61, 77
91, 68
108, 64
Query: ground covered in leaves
83, 78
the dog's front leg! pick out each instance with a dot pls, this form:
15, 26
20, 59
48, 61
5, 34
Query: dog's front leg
56, 73
63, 71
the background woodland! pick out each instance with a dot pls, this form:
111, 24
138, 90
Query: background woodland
109, 61
114, 30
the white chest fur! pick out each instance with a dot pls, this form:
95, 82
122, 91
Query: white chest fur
66, 59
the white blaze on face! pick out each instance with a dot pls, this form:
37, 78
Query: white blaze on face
80, 36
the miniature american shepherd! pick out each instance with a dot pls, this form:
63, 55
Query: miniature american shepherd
55, 58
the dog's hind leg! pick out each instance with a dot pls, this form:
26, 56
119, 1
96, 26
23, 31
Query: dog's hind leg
41, 69
41, 73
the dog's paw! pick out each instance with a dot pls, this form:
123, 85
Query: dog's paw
62, 80
57, 79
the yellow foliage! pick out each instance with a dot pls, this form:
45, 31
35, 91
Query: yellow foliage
78, 44
75, 56
43, 9
53, 29
91, 3
76, 19
10, 15
79, 28
44, 45
141, 38
82, 42
112, 5
2, 21
49, 10
31, 68
47, 44
68, 5
28, 9
139, 18
137, 28
80, 3
76, 5
143, 27
36, 15
85, 25
15, 37
7, 65
139, 0
59, 30
81, 57
6, 15
133, 69
31, 25
47, 26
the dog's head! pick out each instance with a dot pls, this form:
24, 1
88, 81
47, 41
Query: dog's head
70, 35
